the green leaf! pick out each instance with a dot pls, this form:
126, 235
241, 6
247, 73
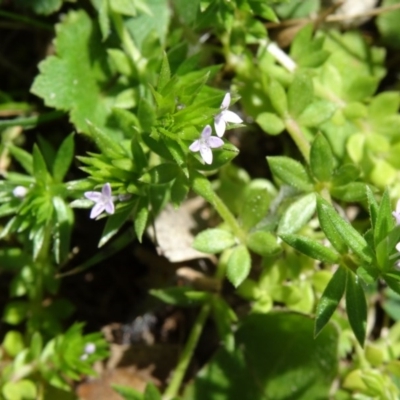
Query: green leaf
128, 393
141, 218
160, 174
298, 371
63, 158
384, 221
317, 113
213, 241
23, 158
165, 74
311, 248
340, 233
187, 10
372, 207
238, 266
263, 243
23, 389
330, 299
346, 173
13, 343
257, 199
297, 214
350, 192
356, 306
301, 41
179, 190
114, 224
290, 172
157, 21
270, 123
104, 142
300, 94
15, 312
71, 81
278, 98
388, 25
322, 161
39, 166
151, 392
181, 296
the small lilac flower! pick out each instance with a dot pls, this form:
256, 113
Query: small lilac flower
225, 116
104, 201
20, 192
205, 144
90, 348
396, 213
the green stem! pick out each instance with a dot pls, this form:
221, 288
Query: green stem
186, 356
298, 137
202, 186
26, 20
31, 122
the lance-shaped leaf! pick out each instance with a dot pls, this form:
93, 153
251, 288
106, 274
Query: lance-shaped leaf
297, 214
142, 216
39, 166
300, 93
213, 241
239, 264
339, 231
372, 206
63, 158
165, 73
278, 98
330, 299
311, 248
290, 172
384, 220
322, 161
356, 306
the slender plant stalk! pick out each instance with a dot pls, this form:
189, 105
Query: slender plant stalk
187, 353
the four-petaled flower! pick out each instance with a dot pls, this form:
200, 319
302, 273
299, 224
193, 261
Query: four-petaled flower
104, 201
225, 116
205, 144
396, 213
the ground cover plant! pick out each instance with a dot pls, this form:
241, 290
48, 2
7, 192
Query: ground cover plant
199, 199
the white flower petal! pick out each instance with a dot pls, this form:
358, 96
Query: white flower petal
398, 247
220, 125
195, 146
230, 116
215, 142
106, 190
97, 210
206, 132
206, 154
226, 101
94, 196
109, 207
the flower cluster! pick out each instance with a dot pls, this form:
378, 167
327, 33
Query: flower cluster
206, 142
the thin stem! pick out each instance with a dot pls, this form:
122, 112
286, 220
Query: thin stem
202, 186
26, 20
186, 356
31, 122
298, 137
